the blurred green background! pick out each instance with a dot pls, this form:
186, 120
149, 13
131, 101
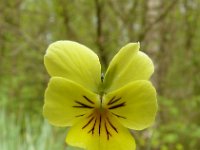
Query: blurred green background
168, 30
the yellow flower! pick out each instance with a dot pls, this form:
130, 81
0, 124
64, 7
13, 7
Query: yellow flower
99, 110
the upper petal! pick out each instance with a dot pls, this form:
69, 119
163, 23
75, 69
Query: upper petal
66, 102
103, 137
73, 61
135, 104
129, 64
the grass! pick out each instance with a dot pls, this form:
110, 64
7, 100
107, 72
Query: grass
26, 132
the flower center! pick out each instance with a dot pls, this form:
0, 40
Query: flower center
99, 120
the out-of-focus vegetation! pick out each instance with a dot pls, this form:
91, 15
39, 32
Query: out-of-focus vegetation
169, 32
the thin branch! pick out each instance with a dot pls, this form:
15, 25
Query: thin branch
116, 10
125, 16
160, 18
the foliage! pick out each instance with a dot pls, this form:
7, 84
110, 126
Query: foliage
168, 31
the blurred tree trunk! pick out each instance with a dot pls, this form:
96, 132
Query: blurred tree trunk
99, 4
151, 33
131, 21
154, 35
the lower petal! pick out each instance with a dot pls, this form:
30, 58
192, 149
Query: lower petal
100, 133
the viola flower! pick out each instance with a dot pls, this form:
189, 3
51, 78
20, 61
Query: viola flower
99, 110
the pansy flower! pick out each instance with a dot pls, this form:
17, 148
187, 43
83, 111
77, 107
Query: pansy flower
99, 110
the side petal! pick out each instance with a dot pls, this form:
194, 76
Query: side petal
75, 62
106, 139
135, 104
66, 102
128, 65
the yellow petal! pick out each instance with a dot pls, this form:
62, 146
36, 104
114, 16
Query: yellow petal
135, 104
108, 134
66, 102
128, 65
75, 62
